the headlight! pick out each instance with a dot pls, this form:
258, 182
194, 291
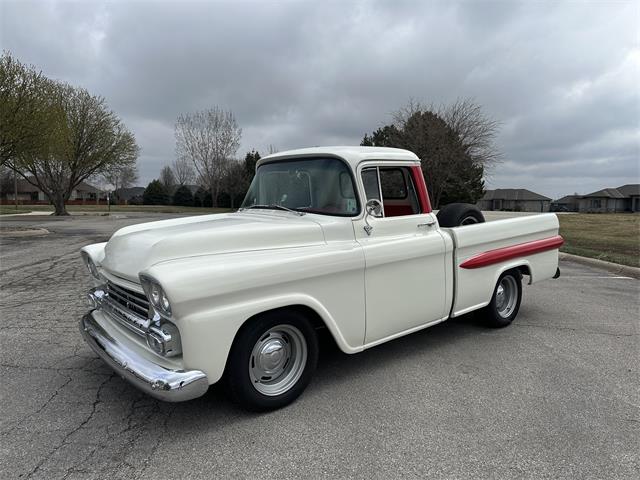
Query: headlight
156, 295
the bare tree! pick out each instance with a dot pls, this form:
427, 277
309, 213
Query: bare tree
475, 130
209, 139
235, 181
183, 171
168, 179
85, 139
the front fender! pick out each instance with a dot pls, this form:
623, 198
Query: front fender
207, 337
213, 296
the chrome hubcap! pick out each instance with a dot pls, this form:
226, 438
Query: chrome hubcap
277, 360
468, 221
506, 296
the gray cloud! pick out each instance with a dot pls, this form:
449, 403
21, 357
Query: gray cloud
561, 77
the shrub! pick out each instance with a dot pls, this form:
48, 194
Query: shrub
183, 197
156, 194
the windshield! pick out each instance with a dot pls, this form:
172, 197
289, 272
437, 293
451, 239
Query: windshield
314, 185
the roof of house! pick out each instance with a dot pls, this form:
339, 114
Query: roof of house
606, 193
85, 187
513, 194
629, 189
129, 193
25, 187
353, 155
567, 199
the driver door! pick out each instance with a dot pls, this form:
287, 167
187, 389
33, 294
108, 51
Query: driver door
404, 256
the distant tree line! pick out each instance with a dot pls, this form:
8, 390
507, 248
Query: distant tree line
55, 135
172, 188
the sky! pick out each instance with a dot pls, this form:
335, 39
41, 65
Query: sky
562, 78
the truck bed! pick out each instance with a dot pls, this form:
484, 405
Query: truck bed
482, 252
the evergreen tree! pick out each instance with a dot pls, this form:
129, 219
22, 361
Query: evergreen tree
250, 160
183, 196
202, 198
156, 194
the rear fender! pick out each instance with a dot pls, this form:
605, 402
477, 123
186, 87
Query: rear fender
475, 284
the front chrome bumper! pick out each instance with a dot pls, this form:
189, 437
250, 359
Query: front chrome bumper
151, 378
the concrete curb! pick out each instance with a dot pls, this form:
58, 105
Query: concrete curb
622, 270
32, 232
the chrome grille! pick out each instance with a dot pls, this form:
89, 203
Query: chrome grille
129, 307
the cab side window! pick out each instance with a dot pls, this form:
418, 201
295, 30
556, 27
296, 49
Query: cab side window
399, 195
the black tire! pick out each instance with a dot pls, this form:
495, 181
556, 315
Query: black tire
499, 313
244, 360
458, 214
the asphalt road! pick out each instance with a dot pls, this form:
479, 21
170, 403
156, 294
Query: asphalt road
555, 395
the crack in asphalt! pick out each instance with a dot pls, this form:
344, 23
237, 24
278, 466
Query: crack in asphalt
94, 407
39, 410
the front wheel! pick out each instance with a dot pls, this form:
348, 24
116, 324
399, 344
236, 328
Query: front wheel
505, 302
272, 360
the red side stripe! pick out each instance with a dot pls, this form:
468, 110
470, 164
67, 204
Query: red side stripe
506, 253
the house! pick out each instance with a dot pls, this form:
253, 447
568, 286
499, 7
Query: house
612, 200
31, 195
129, 195
568, 203
514, 200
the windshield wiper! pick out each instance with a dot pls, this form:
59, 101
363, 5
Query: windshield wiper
273, 206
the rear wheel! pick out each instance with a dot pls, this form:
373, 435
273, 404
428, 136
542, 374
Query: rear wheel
272, 360
505, 302
459, 214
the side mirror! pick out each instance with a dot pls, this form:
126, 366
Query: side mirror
372, 208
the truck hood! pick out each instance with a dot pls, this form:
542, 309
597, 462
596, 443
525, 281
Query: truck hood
133, 249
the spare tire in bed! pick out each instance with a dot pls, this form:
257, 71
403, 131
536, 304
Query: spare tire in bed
459, 214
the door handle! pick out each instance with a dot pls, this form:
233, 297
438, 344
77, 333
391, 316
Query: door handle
430, 223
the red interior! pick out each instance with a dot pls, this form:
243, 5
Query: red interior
401, 207
397, 210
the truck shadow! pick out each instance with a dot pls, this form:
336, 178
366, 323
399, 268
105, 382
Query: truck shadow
333, 361
335, 366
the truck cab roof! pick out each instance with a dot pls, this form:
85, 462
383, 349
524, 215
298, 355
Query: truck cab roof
352, 155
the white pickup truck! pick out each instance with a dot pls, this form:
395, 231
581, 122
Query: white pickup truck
341, 238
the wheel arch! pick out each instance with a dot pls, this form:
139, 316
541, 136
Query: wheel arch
521, 265
316, 319
317, 315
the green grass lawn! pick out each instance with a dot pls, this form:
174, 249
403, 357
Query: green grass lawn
126, 208
610, 237
11, 209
